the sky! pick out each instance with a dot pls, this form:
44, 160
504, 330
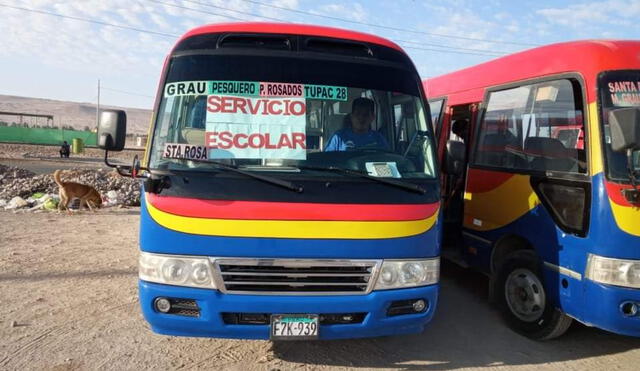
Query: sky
58, 49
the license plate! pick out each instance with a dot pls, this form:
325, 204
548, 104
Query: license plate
294, 326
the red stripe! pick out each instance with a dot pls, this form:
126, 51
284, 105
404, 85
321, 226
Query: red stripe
257, 210
480, 181
615, 193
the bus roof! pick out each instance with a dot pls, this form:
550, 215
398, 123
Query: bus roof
587, 57
291, 29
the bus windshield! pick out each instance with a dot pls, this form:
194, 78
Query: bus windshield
288, 114
618, 89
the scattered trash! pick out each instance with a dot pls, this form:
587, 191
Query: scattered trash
16, 203
50, 204
111, 198
74, 204
37, 191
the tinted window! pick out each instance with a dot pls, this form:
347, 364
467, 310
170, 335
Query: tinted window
537, 127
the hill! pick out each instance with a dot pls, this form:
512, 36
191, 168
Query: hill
75, 114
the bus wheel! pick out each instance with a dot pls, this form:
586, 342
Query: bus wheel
523, 300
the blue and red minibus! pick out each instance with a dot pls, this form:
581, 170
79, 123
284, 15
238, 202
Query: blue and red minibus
541, 182
290, 187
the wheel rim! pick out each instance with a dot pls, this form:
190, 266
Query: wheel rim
525, 295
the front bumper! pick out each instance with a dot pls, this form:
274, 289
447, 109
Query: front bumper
603, 308
213, 303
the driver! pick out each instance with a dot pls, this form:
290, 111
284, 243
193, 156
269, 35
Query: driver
357, 133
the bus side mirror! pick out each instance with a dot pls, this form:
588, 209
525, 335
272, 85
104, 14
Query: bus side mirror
112, 130
455, 156
625, 129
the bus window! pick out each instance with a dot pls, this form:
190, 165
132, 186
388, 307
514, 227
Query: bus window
536, 127
323, 135
614, 94
436, 114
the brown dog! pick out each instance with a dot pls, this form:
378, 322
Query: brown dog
70, 190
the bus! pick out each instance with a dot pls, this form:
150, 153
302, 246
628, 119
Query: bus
540, 182
290, 187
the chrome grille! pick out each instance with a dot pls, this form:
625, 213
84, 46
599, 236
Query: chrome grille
295, 276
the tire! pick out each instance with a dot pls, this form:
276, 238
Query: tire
523, 300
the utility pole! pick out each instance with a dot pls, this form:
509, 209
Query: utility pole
98, 106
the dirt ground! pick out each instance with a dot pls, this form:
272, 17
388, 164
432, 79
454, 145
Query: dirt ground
68, 300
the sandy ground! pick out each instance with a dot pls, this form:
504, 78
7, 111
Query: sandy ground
68, 300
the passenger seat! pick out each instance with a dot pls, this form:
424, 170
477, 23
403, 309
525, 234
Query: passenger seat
549, 154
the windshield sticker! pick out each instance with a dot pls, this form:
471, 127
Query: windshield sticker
185, 88
625, 93
186, 151
255, 128
255, 89
325, 92
383, 169
277, 89
238, 88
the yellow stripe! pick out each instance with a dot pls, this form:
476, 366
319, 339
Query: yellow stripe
500, 206
627, 218
291, 229
594, 143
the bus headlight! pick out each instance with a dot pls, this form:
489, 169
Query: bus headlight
176, 270
395, 274
610, 271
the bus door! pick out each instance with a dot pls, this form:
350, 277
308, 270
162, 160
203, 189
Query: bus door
528, 177
436, 107
457, 129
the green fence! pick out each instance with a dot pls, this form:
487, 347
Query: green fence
45, 136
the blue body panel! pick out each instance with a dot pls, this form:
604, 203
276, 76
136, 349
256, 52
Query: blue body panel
158, 239
602, 303
213, 302
588, 302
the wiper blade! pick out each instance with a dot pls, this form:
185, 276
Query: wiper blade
392, 182
267, 179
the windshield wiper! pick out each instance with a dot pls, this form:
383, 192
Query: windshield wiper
267, 179
404, 185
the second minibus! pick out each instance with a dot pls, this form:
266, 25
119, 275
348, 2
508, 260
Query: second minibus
541, 154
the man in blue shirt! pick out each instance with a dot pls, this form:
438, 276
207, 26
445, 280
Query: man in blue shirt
358, 135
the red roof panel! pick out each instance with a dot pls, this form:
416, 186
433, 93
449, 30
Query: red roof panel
291, 29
